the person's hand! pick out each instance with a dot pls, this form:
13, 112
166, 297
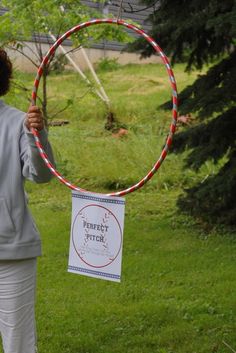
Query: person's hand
34, 118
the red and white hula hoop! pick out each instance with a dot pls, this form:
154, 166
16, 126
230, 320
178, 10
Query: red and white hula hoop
174, 102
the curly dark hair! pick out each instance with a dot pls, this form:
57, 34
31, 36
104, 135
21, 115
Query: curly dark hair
5, 72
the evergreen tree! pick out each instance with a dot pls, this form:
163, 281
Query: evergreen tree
202, 32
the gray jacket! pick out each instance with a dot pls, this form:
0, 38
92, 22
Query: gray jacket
19, 159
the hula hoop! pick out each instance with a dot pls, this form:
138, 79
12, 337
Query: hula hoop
172, 128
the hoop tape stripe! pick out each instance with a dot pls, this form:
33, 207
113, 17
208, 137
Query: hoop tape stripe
170, 73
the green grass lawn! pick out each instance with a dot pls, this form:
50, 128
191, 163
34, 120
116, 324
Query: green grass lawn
177, 293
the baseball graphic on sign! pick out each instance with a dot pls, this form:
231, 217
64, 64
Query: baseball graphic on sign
96, 240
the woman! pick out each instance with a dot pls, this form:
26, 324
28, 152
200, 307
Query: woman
19, 239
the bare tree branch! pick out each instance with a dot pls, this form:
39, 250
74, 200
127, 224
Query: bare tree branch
22, 53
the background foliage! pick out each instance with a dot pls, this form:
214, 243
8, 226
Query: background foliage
199, 33
27, 26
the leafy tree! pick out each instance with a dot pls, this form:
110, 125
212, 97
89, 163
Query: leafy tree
30, 21
204, 32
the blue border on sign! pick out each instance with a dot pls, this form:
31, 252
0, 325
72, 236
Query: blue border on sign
99, 199
92, 272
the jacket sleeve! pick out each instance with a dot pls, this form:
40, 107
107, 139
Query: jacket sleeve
33, 166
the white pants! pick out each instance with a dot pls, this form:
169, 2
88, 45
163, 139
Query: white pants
17, 300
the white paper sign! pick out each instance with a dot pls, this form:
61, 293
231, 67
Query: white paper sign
96, 235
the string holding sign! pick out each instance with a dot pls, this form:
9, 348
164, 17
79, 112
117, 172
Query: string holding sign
172, 128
